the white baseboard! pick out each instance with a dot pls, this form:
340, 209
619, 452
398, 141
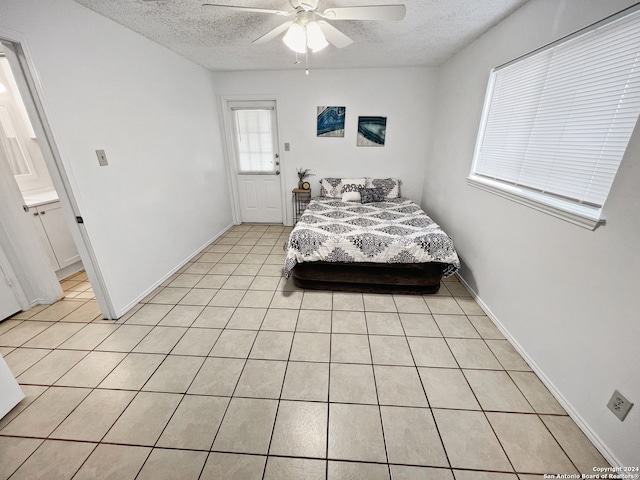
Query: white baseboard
69, 270
173, 270
584, 426
42, 301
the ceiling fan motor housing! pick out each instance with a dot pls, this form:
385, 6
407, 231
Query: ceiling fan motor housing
304, 18
307, 4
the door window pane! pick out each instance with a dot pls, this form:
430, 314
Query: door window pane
254, 140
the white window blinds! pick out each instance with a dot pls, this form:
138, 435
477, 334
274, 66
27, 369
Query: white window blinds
254, 140
558, 122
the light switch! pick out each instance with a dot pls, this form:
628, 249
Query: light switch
102, 158
287, 147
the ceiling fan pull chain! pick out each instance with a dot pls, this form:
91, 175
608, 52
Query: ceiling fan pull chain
306, 61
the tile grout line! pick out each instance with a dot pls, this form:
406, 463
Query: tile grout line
237, 381
326, 462
375, 385
132, 398
484, 414
476, 398
430, 406
275, 418
184, 394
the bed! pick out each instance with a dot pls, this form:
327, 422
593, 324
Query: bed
388, 245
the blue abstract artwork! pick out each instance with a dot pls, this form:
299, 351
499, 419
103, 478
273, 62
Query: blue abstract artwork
331, 121
371, 131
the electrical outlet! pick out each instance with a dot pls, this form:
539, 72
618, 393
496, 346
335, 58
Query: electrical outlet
287, 147
102, 158
619, 405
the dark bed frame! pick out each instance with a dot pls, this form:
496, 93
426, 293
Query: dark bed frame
412, 278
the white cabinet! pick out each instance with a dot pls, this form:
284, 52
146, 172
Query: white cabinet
55, 234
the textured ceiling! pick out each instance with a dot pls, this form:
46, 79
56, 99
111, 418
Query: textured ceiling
432, 31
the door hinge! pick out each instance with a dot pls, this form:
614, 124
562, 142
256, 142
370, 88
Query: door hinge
79, 220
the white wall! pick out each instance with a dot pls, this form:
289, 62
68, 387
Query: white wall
568, 296
164, 193
404, 96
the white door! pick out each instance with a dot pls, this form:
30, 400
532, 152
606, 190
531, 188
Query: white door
8, 301
256, 161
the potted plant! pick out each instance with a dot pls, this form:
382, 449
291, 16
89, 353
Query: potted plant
302, 174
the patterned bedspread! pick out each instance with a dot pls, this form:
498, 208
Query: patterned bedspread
393, 231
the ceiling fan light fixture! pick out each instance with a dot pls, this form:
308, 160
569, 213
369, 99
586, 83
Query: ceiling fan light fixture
300, 37
316, 40
296, 38
308, 28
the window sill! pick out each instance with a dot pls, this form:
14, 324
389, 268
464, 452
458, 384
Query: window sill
583, 216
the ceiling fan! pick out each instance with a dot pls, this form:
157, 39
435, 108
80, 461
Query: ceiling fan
309, 30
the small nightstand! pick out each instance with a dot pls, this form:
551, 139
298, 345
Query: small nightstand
300, 198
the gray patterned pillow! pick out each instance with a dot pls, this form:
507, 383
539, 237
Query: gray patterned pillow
368, 195
391, 186
331, 187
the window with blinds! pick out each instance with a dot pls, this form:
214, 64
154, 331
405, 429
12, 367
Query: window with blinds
556, 123
254, 140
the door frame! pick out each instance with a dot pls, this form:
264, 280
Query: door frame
229, 150
32, 92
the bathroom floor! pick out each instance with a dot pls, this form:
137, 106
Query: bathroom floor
77, 286
226, 371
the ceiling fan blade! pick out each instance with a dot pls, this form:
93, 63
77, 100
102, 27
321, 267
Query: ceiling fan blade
249, 9
371, 12
273, 33
333, 35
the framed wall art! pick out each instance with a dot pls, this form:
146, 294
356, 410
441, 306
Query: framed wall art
371, 131
330, 121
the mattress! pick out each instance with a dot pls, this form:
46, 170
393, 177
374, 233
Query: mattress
394, 231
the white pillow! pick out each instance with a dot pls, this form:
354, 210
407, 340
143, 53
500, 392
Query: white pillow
331, 187
351, 189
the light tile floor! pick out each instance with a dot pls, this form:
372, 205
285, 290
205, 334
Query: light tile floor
229, 372
77, 286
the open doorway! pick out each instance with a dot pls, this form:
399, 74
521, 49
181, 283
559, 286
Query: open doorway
20, 149
49, 257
